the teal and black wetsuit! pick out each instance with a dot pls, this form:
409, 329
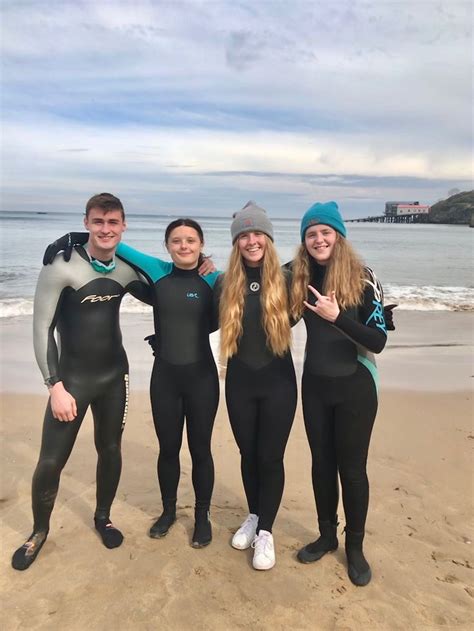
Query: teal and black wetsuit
339, 395
82, 305
184, 381
261, 398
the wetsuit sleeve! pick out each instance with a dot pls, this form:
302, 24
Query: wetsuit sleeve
52, 282
370, 331
151, 267
141, 290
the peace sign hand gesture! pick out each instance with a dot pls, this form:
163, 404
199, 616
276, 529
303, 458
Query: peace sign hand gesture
325, 306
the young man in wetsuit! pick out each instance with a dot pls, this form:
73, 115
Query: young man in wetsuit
81, 301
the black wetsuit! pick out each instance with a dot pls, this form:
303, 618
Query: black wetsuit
184, 381
261, 399
339, 396
83, 306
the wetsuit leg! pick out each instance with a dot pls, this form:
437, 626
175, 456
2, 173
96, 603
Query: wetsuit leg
200, 412
168, 418
276, 414
261, 406
354, 420
109, 411
318, 414
56, 445
242, 407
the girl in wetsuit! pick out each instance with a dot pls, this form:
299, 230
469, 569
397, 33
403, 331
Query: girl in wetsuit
184, 369
345, 324
260, 380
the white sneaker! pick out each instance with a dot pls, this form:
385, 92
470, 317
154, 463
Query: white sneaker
246, 533
264, 551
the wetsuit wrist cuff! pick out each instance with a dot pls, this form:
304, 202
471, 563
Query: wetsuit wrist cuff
51, 381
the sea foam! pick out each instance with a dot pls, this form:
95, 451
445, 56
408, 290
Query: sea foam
409, 298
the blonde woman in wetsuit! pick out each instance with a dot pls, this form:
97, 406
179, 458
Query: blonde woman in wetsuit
260, 379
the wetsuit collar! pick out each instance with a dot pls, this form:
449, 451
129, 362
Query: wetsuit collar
316, 268
253, 272
103, 267
317, 272
185, 272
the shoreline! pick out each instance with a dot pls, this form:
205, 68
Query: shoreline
428, 351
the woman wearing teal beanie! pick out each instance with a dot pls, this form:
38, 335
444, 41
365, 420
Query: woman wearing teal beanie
341, 302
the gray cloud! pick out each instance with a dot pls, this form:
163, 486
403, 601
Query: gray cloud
337, 87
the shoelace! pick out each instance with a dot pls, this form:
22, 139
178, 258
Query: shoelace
261, 543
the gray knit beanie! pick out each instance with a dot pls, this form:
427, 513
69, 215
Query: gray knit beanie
251, 218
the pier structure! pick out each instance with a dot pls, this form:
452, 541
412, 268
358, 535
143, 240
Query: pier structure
399, 212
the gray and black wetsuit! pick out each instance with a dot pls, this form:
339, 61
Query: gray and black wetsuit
339, 395
82, 305
184, 381
261, 395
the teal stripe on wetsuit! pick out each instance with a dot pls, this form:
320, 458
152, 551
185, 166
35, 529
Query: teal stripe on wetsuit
376, 317
153, 267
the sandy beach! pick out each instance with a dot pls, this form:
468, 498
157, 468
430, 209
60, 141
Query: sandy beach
419, 530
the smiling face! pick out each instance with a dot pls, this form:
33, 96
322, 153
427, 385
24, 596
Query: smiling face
184, 245
319, 241
105, 229
252, 247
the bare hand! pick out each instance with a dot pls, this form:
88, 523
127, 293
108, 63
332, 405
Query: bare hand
326, 306
63, 404
206, 267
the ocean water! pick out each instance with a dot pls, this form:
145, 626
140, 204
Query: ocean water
421, 267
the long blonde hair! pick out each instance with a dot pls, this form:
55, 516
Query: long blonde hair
273, 298
344, 275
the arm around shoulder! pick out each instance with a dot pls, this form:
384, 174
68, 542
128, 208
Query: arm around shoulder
152, 267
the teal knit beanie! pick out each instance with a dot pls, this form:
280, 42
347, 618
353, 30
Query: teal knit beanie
327, 213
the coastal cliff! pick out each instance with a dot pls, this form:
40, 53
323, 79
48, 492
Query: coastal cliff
457, 209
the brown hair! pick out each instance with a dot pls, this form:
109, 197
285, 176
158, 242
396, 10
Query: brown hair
190, 223
184, 221
105, 202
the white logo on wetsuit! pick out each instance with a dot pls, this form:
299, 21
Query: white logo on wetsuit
254, 286
95, 298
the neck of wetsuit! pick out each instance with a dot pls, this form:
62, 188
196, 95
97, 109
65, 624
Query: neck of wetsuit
185, 272
317, 274
99, 265
253, 273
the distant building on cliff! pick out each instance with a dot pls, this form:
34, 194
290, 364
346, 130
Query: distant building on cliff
404, 209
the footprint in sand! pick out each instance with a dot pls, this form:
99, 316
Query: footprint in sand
449, 578
200, 571
341, 590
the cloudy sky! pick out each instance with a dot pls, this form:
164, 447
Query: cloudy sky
196, 106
